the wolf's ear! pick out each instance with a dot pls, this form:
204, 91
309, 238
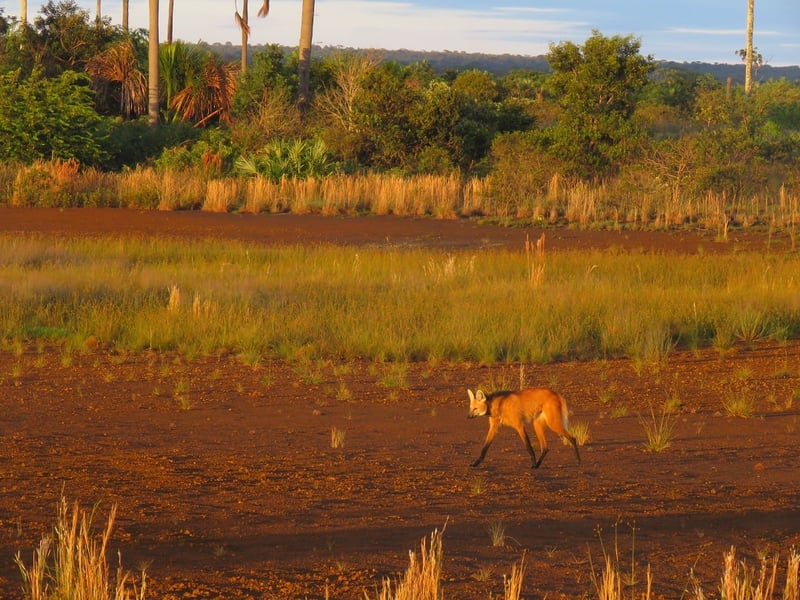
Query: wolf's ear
471, 395
481, 396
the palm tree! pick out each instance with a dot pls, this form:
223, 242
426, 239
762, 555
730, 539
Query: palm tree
242, 22
152, 67
748, 59
170, 8
118, 65
208, 93
304, 66
175, 61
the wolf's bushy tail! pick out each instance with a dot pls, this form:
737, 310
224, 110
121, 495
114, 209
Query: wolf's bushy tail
564, 413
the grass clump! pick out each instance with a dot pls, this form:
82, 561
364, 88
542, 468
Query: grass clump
659, 429
497, 533
739, 406
72, 563
580, 431
337, 437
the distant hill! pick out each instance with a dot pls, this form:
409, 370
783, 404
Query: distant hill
502, 64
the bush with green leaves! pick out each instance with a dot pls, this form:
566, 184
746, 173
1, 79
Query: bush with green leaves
43, 118
293, 159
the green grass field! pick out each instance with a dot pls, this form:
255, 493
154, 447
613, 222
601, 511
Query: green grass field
388, 303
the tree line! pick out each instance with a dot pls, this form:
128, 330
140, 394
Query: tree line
75, 87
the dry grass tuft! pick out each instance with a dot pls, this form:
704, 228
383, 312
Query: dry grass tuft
72, 563
659, 430
512, 585
422, 579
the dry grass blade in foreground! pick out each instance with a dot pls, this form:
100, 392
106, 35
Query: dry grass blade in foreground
512, 586
739, 581
72, 564
422, 578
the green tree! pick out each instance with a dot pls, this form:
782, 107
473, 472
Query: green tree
596, 85
382, 118
43, 118
65, 37
4, 23
268, 72
475, 86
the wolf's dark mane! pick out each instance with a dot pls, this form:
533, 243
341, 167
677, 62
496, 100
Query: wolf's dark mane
498, 393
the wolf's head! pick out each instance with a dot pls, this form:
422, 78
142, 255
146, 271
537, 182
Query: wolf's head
478, 406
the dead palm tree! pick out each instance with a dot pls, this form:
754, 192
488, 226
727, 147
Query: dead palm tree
208, 94
119, 66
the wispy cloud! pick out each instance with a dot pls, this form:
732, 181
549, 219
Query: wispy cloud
704, 32
678, 30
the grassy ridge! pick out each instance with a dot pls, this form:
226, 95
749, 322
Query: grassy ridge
389, 303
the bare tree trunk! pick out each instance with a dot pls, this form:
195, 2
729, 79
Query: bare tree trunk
244, 25
125, 12
170, 8
304, 66
748, 58
152, 59
23, 11
99, 10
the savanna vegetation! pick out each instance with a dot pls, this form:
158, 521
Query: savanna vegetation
605, 137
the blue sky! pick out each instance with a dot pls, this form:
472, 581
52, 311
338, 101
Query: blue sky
681, 30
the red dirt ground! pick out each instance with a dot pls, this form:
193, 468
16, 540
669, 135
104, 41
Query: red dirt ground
237, 492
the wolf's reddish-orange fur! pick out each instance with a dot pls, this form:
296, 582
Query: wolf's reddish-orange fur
539, 406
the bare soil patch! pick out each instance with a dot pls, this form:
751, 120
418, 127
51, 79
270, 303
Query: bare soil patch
227, 485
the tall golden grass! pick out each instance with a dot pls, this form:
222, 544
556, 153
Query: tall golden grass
422, 579
72, 563
564, 201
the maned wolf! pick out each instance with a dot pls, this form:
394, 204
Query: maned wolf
540, 406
